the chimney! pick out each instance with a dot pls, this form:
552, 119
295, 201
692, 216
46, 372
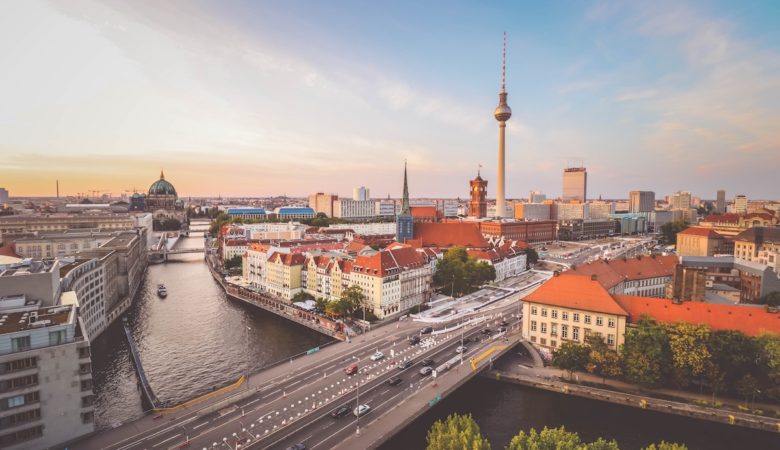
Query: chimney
556, 273
594, 277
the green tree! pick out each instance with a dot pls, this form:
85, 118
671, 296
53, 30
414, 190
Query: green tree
353, 299
570, 356
646, 355
302, 296
690, 355
321, 303
532, 257
670, 230
663, 445
770, 355
602, 360
234, 262
458, 432
458, 274
733, 355
547, 439
602, 444
771, 299
747, 387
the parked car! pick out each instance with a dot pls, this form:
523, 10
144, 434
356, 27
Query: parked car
461, 349
502, 329
360, 410
297, 447
377, 356
426, 330
486, 331
351, 370
427, 362
340, 412
414, 340
405, 364
504, 323
394, 381
425, 371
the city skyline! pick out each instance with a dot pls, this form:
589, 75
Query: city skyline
325, 98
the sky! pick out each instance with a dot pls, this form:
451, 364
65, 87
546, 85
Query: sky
258, 98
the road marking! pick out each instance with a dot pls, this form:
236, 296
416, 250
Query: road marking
169, 439
200, 425
271, 393
155, 434
294, 383
384, 392
308, 437
253, 401
269, 386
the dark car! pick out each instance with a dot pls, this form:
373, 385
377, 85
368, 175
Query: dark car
297, 447
427, 362
340, 412
404, 364
414, 340
504, 323
394, 381
501, 329
426, 330
486, 331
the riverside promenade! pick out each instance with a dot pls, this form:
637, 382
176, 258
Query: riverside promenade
530, 372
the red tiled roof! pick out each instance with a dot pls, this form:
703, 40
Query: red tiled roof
576, 292
489, 255
700, 231
424, 211
385, 261
288, 259
610, 273
751, 321
449, 234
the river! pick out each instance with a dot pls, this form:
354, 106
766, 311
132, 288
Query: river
189, 342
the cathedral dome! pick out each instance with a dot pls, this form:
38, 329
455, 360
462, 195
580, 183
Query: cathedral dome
162, 187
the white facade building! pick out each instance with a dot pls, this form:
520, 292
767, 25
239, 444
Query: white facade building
361, 194
353, 209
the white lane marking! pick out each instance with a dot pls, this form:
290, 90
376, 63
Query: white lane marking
183, 422
200, 425
253, 401
384, 392
269, 386
293, 383
271, 393
169, 439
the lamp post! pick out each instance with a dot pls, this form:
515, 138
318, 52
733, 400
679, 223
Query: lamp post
186, 436
357, 398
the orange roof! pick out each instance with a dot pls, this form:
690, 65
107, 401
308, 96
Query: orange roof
576, 292
700, 231
449, 234
611, 273
288, 259
388, 261
748, 320
424, 211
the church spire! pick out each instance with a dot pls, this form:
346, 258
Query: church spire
162, 175
405, 200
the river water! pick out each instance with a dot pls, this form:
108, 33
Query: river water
189, 342
197, 338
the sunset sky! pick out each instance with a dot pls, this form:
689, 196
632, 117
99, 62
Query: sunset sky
292, 97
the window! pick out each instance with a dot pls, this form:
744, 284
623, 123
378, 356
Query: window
611, 339
599, 321
20, 344
533, 338
553, 343
544, 327
19, 364
533, 310
575, 333
553, 329
587, 332
57, 337
587, 319
544, 312
543, 341
554, 313
575, 317
565, 331
533, 325
566, 315
611, 322
13, 402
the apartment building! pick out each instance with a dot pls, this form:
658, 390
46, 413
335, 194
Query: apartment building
20, 224
283, 274
60, 244
645, 276
757, 244
508, 259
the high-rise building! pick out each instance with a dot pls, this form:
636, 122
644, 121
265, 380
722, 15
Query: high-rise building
404, 222
502, 114
322, 203
720, 202
536, 197
478, 204
740, 204
575, 184
641, 201
3, 195
361, 194
681, 200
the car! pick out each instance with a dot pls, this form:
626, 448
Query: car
426, 330
351, 370
502, 329
504, 323
361, 410
425, 371
461, 349
298, 446
486, 331
377, 356
404, 365
340, 412
414, 340
394, 381
426, 362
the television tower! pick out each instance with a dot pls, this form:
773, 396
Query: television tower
502, 114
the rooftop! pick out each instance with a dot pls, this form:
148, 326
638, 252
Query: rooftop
577, 292
700, 231
611, 272
28, 267
30, 320
449, 234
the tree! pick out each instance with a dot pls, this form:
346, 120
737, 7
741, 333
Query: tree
603, 444
531, 256
458, 273
321, 303
570, 356
690, 355
455, 433
602, 360
770, 355
547, 439
733, 355
663, 445
747, 386
234, 262
302, 296
771, 299
646, 355
353, 299
670, 230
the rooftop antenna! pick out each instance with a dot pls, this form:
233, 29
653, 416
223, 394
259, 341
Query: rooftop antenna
503, 67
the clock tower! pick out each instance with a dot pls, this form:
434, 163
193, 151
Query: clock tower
478, 203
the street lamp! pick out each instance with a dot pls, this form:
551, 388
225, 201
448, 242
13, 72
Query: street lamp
357, 397
186, 436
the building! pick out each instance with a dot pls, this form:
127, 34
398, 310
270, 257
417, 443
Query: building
751, 279
577, 230
366, 229
741, 204
448, 234
502, 113
526, 231
568, 308
384, 208
322, 203
630, 223
478, 192
532, 211
60, 244
162, 196
646, 276
36, 281
425, 214
353, 209
361, 194
404, 222
288, 213
699, 241
3, 195
283, 274
536, 197
25, 224
566, 211
680, 200
749, 244
46, 393
508, 259
233, 247
641, 201
575, 184
731, 224
720, 202
247, 213
600, 210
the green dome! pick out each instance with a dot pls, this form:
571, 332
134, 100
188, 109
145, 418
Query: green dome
162, 187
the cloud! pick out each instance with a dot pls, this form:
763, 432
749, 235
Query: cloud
630, 96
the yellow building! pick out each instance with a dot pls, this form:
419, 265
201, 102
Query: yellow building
283, 274
698, 241
733, 224
568, 308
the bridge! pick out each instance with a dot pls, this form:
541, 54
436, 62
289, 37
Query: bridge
166, 246
291, 401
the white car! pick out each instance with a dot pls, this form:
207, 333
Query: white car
377, 356
360, 410
460, 349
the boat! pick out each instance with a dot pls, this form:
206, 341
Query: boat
162, 291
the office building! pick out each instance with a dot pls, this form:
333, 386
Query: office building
681, 200
579, 229
641, 201
60, 244
536, 197
37, 281
28, 223
247, 213
575, 184
740, 204
384, 208
3, 195
566, 211
720, 202
532, 211
353, 209
600, 209
526, 231
361, 194
322, 203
